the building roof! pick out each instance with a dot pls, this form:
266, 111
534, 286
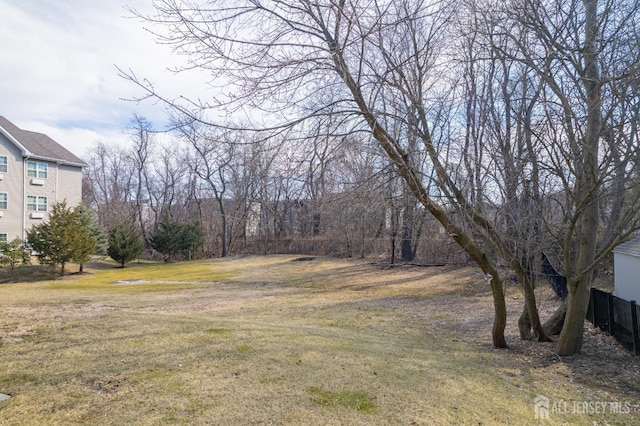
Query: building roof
631, 248
37, 145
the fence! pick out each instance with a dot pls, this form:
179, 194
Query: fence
434, 250
616, 316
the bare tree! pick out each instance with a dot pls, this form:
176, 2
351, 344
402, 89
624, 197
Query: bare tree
169, 183
142, 151
564, 72
362, 167
582, 52
388, 55
211, 156
500, 171
108, 184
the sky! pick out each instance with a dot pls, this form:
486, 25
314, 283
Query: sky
58, 71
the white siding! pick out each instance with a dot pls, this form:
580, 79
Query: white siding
69, 185
627, 276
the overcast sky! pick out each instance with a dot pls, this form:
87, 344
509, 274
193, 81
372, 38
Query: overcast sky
58, 75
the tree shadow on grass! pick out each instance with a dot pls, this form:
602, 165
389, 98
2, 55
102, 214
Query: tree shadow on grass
37, 272
29, 273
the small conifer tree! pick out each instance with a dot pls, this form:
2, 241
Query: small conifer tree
125, 243
172, 237
61, 240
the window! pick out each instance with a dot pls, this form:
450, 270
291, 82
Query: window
4, 201
37, 170
3, 238
36, 204
4, 164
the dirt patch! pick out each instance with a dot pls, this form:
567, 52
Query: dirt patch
104, 386
466, 314
303, 259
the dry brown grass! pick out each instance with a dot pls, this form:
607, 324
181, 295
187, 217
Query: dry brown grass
268, 340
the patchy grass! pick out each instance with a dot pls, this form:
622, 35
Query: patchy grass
359, 401
270, 340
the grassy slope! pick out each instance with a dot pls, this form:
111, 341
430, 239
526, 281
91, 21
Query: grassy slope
265, 340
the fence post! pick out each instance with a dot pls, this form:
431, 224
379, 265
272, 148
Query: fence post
610, 312
634, 327
592, 304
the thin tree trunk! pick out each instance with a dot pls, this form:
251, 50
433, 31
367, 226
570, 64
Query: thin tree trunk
524, 324
532, 309
223, 233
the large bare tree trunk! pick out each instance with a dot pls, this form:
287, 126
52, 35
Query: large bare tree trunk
570, 341
579, 284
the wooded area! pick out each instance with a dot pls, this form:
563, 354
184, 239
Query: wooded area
399, 128
263, 200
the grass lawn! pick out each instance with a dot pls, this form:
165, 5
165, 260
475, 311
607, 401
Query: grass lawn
271, 340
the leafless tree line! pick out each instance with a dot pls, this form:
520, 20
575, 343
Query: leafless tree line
312, 194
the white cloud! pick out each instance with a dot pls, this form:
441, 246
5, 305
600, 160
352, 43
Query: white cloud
58, 75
